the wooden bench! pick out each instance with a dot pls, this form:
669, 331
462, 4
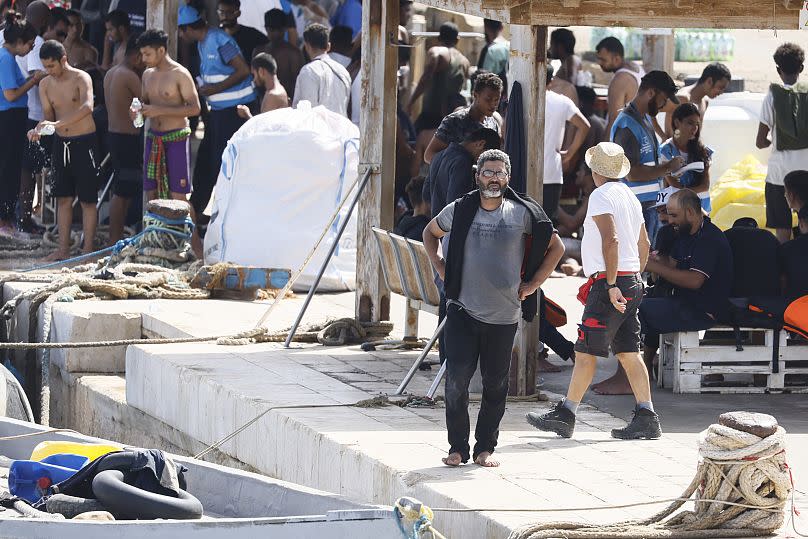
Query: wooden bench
408, 272
687, 358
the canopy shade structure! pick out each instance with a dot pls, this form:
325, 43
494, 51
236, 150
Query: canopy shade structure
752, 14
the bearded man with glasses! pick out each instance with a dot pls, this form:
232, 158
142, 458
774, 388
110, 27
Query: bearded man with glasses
493, 234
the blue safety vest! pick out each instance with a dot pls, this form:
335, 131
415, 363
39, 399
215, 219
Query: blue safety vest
213, 69
649, 152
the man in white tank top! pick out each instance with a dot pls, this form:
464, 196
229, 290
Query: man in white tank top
626, 81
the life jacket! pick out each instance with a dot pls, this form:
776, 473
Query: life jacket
213, 69
649, 152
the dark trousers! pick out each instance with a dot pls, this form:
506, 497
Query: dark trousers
220, 126
669, 315
12, 146
468, 340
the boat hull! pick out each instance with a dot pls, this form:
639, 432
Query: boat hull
238, 503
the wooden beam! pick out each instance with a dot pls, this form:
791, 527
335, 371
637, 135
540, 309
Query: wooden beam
377, 149
162, 15
656, 14
658, 52
528, 66
499, 10
570, 3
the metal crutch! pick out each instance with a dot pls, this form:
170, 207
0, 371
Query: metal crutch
421, 358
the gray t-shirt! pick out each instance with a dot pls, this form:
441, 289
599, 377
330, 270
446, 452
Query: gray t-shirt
492, 264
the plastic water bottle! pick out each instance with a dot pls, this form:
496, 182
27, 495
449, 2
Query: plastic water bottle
46, 130
137, 106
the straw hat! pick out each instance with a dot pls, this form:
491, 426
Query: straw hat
608, 160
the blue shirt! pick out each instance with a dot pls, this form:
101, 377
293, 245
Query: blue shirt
349, 14
11, 78
215, 51
689, 179
708, 252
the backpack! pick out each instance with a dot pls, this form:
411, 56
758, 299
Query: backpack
756, 282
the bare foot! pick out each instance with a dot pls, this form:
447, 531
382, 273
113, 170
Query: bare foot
56, 256
543, 365
486, 460
454, 459
616, 385
570, 268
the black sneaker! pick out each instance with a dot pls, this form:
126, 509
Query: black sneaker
644, 424
559, 420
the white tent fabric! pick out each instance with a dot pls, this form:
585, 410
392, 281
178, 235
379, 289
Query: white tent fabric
283, 174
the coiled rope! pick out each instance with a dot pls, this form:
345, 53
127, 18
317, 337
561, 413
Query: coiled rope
742, 486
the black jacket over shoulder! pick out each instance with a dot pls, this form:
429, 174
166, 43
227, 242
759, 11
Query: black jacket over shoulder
535, 247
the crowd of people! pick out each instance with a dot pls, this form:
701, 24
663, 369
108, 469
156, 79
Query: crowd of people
655, 262
641, 187
68, 100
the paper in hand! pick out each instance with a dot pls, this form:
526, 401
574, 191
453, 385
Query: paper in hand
697, 166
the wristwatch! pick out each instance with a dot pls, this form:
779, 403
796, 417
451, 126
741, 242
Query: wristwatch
610, 286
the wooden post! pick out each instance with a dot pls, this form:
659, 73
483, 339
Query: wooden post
658, 52
377, 149
528, 66
162, 14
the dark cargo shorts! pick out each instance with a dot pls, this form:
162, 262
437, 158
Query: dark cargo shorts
602, 325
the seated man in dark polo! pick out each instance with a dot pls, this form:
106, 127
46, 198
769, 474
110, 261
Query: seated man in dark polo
700, 270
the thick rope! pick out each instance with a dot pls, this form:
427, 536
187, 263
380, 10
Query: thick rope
742, 486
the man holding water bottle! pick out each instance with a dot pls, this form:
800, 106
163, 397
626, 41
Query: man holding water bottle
67, 106
168, 99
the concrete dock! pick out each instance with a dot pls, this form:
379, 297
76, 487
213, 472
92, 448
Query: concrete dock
183, 397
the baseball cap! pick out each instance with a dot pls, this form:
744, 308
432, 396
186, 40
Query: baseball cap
187, 15
663, 82
663, 196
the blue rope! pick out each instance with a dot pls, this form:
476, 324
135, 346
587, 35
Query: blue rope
184, 221
121, 244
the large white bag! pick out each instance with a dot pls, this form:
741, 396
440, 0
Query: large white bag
283, 174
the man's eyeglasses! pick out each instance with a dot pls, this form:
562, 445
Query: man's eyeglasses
501, 175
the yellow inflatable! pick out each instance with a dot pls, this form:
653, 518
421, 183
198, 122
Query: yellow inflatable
740, 192
91, 451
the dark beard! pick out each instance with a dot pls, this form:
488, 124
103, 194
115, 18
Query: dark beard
653, 110
684, 230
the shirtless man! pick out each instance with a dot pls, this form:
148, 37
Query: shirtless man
626, 81
80, 53
118, 30
562, 47
288, 58
713, 82
443, 78
169, 98
67, 104
264, 72
121, 85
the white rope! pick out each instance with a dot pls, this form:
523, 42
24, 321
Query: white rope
742, 487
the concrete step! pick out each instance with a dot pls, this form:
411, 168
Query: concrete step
374, 455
